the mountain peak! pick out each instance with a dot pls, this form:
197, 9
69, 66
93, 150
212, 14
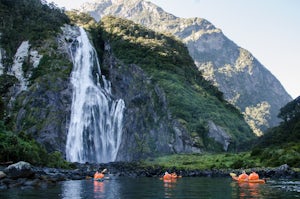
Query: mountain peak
128, 8
151, 16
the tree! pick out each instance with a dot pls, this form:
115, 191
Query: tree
290, 111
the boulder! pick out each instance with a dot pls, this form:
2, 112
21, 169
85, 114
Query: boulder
19, 170
283, 167
2, 175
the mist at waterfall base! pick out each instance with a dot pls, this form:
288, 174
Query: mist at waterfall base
95, 130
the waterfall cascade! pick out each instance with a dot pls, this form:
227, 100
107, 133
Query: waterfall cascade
95, 130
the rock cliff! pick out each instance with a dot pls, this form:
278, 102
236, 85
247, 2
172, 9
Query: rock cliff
148, 126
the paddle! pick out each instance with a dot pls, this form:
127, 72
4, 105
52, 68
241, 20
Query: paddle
103, 171
232, 174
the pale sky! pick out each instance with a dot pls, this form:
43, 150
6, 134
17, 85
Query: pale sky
269, 29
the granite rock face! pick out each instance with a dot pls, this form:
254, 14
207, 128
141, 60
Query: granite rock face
19, 170
147, 123
219, 135
45, 107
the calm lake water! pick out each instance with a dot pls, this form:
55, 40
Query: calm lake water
137, 188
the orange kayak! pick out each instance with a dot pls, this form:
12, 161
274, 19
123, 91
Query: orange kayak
170, 177
260, 181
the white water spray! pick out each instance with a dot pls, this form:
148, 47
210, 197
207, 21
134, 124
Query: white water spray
95, 130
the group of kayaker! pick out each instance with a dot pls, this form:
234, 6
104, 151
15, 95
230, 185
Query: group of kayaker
244, 177
170, 176
167, 176
253, 177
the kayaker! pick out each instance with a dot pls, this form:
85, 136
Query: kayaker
174, 175
99, 175
243, 177
167, 176
253, 176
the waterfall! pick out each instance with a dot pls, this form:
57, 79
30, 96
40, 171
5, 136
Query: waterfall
95, 130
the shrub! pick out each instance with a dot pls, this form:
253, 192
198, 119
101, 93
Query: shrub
23, 148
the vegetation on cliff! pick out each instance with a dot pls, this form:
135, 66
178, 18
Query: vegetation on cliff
281, 144
22, 147
39, 23
193, 101
206, 161
278, 146
32, 20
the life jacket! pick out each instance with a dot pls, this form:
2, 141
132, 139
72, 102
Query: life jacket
243, 176
98, 175
253, 176
167, 176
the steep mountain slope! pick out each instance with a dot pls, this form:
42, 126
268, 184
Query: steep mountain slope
245, 82
167, 99
169, 107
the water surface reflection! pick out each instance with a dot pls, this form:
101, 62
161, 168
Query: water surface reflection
72, 189
247, 190
99, 189
140, 188
169, 187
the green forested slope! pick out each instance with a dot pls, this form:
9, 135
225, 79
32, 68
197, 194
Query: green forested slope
192, 100
281, 144
28, 20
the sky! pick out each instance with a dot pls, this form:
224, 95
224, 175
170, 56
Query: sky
269, 29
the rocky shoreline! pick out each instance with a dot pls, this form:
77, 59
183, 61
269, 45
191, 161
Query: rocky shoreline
24, 175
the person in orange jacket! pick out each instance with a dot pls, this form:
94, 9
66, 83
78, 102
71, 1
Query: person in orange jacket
167, 176
253, 176
243, 177
174, 175
99, 175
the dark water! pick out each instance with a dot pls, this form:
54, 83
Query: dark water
137, 188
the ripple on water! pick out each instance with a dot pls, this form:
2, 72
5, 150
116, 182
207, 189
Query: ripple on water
284, 185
